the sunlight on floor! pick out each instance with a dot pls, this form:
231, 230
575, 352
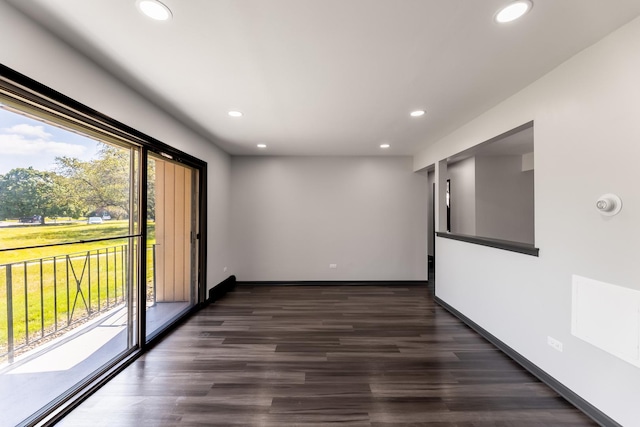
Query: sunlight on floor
69, 355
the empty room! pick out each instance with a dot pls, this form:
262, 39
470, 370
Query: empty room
306, 213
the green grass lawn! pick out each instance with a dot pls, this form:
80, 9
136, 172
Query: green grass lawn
35, 235
43, 290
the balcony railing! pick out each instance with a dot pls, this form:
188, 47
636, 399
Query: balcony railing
41, 298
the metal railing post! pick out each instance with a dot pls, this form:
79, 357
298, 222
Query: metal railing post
41, 300
26, 305
9, 281
89, 283
153, 253
68, 260
98, 261
115, 274
55, 294
107, 274
123, 274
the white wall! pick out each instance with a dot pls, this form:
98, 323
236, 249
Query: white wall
293, 216
28, 49
463, 196
587, 142
504, 199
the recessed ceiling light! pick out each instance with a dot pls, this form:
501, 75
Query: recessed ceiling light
384, 146
154, 10
513, 11
235, 113
417, 113
262, 145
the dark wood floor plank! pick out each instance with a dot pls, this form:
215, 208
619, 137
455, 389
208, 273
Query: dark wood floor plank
325, 355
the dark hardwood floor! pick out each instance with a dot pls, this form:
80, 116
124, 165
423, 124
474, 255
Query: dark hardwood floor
322, 355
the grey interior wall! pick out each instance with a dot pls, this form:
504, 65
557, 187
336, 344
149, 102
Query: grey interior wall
463, 196
294, 216
586, 145
30, 50
504, 199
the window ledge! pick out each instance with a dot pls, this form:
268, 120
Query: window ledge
506, 245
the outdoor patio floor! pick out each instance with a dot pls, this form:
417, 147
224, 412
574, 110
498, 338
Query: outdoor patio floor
37, 378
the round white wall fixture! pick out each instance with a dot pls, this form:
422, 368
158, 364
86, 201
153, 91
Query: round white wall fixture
609, 204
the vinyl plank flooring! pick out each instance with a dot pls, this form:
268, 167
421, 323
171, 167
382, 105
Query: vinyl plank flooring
374, 356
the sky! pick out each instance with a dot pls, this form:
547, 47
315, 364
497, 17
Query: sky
27, 142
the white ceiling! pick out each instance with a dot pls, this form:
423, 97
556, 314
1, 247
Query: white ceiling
328, 77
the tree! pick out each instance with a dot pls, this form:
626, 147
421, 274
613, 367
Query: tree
28, 192
101, 183
69, 201
151, 190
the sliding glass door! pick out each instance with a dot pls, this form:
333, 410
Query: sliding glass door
69, 234
171, 242
99, 247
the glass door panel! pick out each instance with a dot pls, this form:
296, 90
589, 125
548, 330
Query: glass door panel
171, 225
68, 244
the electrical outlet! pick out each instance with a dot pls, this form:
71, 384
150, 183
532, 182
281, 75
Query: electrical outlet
224, 270
333, 265
554, 343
